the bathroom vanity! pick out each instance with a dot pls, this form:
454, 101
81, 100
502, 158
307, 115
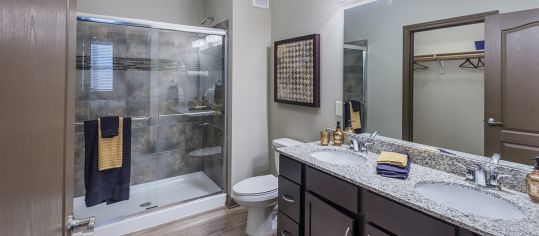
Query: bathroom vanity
320, 196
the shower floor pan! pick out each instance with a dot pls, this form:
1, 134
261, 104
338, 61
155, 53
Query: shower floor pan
150, 195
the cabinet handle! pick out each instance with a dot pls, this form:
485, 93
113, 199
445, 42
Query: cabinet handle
284, 233
347, 231
287, 198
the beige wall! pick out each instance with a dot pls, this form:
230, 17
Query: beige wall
449, 107
249, 84
220, 9
186, 12
298, 18
382, 26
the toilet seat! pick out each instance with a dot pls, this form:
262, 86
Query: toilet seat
256, 189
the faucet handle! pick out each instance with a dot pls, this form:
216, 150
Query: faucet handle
494, 180
470, 172
365, 147
495, 159
374, 134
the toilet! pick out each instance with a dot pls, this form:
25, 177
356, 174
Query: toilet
259, 195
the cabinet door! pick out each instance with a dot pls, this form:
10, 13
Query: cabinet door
322, 220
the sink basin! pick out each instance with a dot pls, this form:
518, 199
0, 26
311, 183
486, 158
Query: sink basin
339, 158
470, 201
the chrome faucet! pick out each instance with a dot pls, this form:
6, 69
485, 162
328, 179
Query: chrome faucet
359, 146
484, 175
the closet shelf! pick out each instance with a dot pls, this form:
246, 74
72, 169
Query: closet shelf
450, 56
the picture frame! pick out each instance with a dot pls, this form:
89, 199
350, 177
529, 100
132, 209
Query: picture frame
297, 71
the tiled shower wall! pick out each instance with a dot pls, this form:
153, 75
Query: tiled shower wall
353, 74
151, 79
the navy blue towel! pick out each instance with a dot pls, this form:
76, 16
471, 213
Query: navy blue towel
109, 126
108, 186
356, 106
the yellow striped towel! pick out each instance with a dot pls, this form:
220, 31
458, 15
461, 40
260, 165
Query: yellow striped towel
110, 150
392, 158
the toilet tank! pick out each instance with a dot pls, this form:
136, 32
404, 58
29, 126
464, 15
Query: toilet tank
279, 143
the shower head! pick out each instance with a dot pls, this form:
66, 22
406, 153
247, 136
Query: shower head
209, 18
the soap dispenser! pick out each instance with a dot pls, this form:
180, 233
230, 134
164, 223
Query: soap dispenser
532, 182
338, 135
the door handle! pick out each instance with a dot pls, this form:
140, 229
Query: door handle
347, 231
287, 198
492, 122
285, 233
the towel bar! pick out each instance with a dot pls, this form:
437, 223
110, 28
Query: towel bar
133, 119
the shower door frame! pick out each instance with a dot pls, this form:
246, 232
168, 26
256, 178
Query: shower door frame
81, 16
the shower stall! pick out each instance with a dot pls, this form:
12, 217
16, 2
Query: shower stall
171, 80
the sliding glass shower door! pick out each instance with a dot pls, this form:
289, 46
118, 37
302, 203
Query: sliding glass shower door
172, 84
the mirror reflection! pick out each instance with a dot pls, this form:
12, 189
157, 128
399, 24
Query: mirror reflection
443, 77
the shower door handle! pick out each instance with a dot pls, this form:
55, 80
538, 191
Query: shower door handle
80, 227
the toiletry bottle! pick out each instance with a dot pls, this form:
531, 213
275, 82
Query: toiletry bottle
338, 135
324, 138
532, 182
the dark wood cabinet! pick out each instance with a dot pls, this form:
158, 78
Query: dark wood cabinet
372, 230
400, 220
289, 199
322, 219
313, 203
286, 226
333, 189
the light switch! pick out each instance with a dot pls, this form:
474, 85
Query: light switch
338, 108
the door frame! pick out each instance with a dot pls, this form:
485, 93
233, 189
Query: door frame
69, 116
407, 62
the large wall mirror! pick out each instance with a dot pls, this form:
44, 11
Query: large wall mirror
450, 74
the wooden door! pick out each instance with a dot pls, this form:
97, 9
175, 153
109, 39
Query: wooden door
37, 114
321, 219
512, 85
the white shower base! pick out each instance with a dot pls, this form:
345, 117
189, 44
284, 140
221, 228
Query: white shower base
129, 216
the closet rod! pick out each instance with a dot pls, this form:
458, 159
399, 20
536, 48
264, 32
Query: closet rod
450, 56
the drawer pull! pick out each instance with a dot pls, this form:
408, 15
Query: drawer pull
347, 231
287, 198
284, 233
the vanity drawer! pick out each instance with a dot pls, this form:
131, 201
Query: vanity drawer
289, 198
286, 226
290, 169
333, 189
400, 220
370, 230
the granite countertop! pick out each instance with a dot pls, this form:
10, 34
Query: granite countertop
403, 191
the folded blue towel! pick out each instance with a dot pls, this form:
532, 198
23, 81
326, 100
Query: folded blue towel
109, 126
392, 171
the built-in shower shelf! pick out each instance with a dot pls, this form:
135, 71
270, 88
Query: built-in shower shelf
204, 152
191, 113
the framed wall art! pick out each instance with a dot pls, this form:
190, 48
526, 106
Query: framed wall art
297, 71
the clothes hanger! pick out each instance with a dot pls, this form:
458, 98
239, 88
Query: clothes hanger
480, 63
470, 66
418, 66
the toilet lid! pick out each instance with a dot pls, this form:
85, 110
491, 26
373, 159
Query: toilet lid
259, 185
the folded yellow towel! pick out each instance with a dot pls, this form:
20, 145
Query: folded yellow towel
110, 150
392, 158
355, 117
